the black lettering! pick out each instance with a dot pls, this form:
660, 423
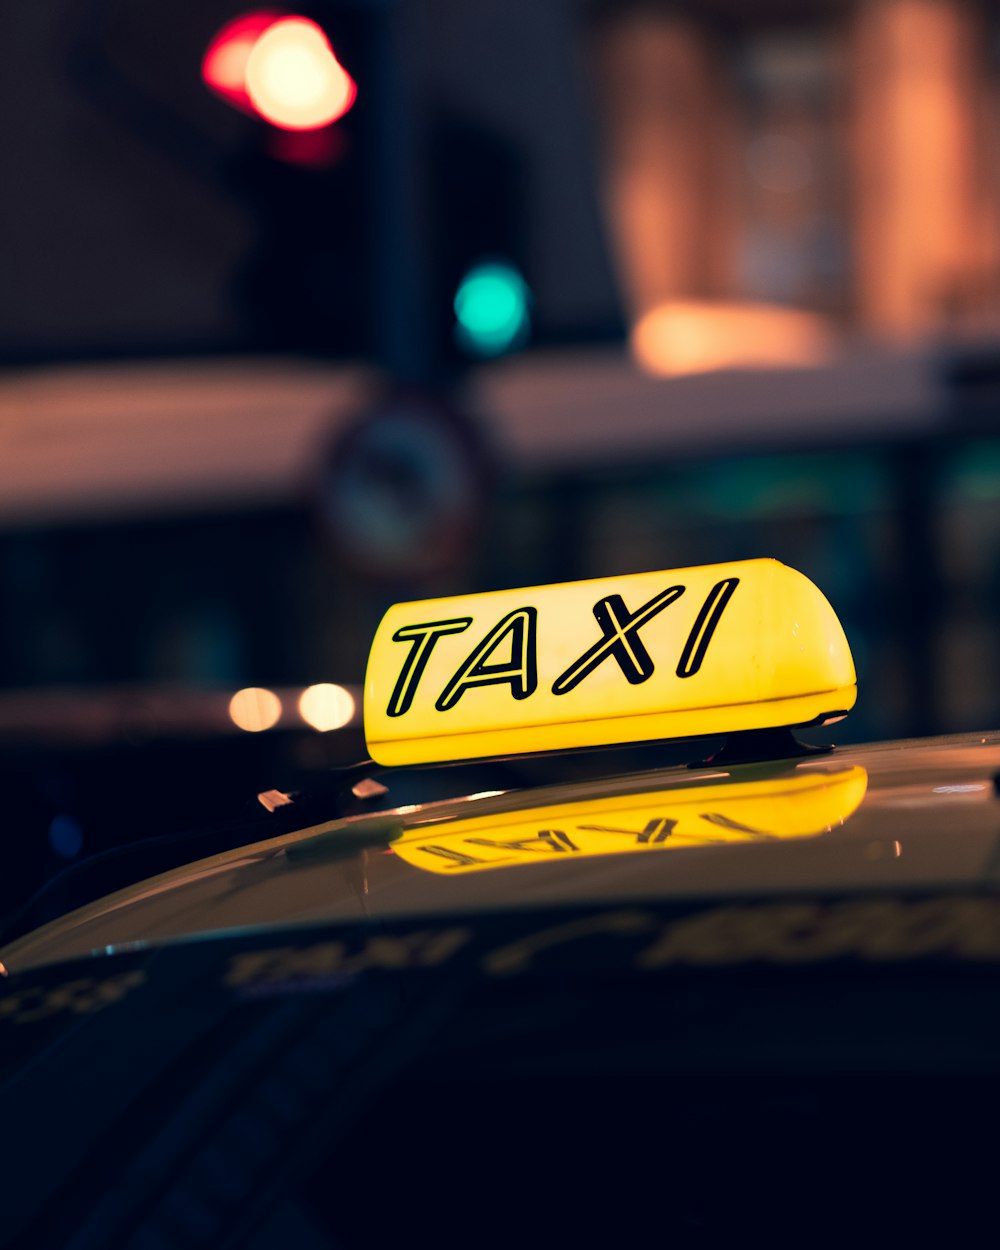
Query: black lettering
620, 638
656, 830
422, 638
520, 670
704, 626
726, 822
455, 858
551, 840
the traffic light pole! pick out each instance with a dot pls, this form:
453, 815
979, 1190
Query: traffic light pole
400, 262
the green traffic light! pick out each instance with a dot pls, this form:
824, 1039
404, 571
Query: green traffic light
491, 306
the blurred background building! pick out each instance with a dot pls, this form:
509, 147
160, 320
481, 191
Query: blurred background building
305, 311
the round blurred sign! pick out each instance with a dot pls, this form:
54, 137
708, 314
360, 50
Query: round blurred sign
403, 490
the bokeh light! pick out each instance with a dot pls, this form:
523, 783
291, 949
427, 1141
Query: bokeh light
224, 65
254, 709
326, 706
65, 836
492, 309
293, 78
692, 336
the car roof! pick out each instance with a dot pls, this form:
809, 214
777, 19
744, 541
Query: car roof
901, 817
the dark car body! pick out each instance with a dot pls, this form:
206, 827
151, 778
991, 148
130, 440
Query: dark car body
484, 1020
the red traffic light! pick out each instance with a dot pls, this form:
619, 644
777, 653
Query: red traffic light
224, 65
281, 68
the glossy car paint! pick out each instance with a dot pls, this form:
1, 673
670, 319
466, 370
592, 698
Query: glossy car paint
929, 820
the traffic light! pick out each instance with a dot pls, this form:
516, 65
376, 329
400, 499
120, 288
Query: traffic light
293, 78
304, 171
492, 309
224, 65
284, 69
389, 225
480, 287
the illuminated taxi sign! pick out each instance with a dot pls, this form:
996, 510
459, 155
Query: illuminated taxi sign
699, 813
715, 649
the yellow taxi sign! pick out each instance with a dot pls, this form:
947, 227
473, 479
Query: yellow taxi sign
703, 812
707, 650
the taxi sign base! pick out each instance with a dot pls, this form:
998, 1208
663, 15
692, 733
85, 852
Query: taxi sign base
757, 746
615, 731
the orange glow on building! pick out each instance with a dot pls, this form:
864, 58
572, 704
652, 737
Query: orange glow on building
927, 228
670, 187
691, 336
768, 189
